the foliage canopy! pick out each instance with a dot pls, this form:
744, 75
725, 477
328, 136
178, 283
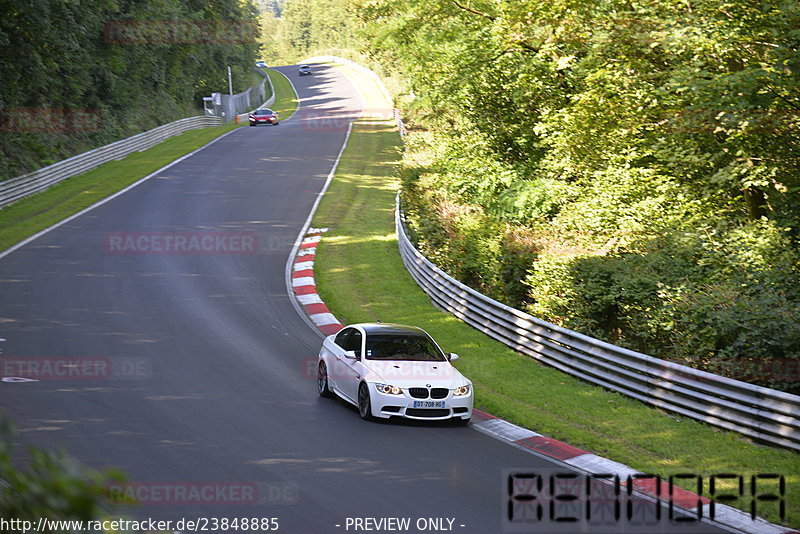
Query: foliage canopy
629, 169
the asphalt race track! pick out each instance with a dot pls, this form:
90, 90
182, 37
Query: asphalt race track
212, 371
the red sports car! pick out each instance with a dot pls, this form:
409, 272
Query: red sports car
263, 116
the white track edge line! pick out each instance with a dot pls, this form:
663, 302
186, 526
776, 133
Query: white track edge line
290, 260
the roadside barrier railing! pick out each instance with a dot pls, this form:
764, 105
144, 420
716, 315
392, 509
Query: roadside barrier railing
759, 413
40, 179
262, 94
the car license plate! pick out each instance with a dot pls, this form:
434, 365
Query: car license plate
429, 404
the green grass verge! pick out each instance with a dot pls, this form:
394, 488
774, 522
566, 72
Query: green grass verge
37, 212
285, 98
361, 277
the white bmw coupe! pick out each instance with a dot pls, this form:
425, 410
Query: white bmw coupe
391, 370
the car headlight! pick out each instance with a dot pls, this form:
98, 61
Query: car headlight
388, 389
461, 391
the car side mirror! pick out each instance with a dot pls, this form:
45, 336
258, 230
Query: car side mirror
452, 356
350, 355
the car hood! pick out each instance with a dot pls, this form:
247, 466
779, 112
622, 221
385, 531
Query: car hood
405, 374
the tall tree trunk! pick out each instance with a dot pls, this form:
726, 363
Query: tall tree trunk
756, 202
754, 196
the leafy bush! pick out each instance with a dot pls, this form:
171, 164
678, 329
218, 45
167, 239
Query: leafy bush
722, 301
53, 485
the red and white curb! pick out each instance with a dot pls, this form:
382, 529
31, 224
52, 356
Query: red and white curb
593, 464
304, 287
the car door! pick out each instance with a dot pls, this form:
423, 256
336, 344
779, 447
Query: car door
335, 350
349, 369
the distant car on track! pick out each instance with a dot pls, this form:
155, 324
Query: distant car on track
263, 116
304, 70
261, 64
391, 370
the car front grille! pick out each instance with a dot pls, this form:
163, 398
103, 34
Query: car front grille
422, 412
434, 393
418, 393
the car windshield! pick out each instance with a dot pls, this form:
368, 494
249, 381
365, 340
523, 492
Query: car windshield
411, 347
263, 112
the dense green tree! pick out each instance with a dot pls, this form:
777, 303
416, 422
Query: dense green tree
639, 159
131, 64
313, 27
270, 7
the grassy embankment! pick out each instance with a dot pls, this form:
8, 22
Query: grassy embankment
37, 212
361, 277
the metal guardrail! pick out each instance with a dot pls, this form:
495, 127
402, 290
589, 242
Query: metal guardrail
760, 413
39, 180
259, 104
234, 106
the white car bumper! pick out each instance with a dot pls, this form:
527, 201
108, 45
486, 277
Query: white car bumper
430, 407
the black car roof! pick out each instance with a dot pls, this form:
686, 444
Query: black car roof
390, 328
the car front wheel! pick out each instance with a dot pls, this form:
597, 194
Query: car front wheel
322, 380
364, 404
